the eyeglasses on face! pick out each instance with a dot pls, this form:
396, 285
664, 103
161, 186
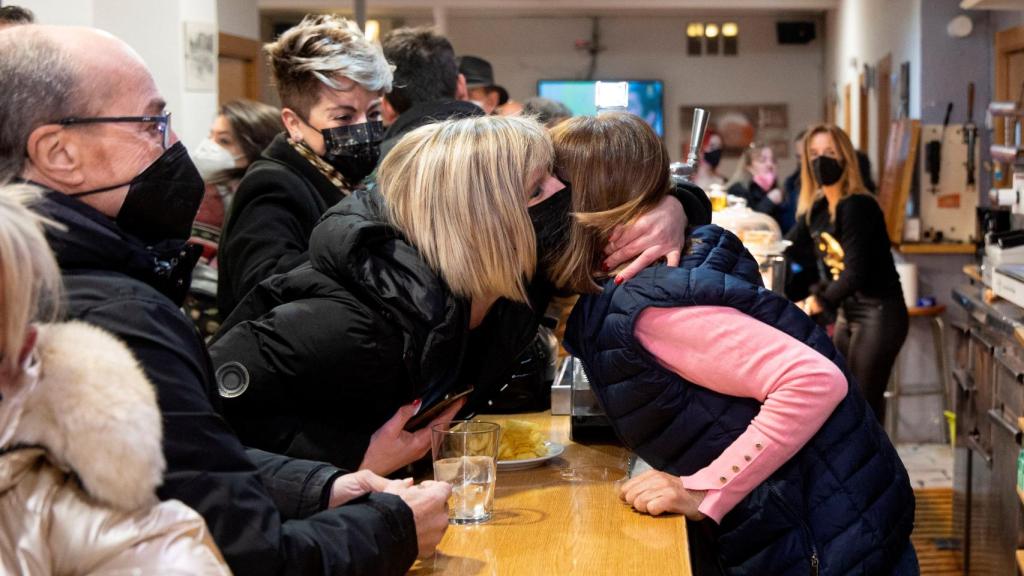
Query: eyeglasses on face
162, 123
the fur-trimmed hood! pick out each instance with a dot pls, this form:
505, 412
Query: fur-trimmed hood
94, 413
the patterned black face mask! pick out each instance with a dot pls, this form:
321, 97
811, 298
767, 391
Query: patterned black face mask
354, 150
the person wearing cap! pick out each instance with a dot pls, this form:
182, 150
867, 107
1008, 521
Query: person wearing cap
480, 86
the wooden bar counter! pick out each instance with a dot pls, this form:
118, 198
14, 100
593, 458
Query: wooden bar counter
563, 517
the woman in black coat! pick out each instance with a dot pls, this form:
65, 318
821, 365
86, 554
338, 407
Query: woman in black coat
330, 79
843, 224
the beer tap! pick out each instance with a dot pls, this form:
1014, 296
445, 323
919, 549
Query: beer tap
970, 135
684, 170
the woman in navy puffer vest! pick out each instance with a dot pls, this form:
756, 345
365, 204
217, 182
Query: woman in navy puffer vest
773, 443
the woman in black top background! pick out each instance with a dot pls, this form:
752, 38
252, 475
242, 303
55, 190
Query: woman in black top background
842, 224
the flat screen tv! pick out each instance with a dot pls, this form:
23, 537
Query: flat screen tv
645, 98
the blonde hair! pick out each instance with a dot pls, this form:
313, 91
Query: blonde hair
850, 183
318, 50
618, 169
742, 173
458, 191
30, 283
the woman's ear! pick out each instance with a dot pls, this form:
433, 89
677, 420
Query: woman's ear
292, 124
31, 336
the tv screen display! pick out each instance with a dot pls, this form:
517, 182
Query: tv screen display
645, 98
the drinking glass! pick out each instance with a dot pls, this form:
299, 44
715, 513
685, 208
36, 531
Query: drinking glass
465, 453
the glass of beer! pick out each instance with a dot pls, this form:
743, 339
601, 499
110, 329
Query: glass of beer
719, 199
465, 455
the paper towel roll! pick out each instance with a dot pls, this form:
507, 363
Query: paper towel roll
908, 279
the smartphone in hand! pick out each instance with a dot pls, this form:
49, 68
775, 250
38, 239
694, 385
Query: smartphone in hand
426, 415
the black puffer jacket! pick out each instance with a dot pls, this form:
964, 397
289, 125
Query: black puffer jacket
266, 512
278, 202
335, 346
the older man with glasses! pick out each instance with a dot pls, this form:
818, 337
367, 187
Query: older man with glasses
81, 116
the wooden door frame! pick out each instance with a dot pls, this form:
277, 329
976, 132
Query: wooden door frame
251, 51
883, 99
1006, 42
848, 108
863, 115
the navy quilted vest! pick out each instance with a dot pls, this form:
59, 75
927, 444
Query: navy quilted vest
842, 505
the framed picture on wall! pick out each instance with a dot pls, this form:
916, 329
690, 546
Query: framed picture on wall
200, 56
741, 125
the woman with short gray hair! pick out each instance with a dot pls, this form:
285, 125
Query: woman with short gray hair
330, 79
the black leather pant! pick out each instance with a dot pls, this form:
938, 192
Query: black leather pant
870, 332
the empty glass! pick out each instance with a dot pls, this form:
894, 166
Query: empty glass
464, 454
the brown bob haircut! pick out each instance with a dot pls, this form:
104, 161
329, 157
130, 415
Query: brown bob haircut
618, 169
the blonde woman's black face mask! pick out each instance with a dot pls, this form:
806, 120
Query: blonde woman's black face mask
827, 170
551, 221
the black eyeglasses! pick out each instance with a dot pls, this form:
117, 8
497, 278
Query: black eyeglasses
162, 122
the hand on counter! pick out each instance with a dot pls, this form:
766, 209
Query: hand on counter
655, 493
351, 486
392, 447
429, 503
659, 233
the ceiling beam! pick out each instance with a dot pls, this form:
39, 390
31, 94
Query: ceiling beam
552, 6
992, 4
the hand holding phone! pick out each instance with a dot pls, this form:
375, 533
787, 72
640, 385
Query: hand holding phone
425, 416
393, 445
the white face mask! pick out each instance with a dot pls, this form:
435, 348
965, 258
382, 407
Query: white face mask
212, 158
13, 403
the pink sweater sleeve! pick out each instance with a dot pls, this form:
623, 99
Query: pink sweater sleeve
727, 351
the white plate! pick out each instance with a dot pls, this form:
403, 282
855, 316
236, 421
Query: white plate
554, 449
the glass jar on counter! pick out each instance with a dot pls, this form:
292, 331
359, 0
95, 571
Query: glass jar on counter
761, 235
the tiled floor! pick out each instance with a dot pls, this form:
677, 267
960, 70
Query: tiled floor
929, 465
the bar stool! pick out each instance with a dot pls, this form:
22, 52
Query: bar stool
893, 394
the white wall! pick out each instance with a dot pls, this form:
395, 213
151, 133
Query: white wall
524, 50
863, 32
1003, 19
239, 17
60, 12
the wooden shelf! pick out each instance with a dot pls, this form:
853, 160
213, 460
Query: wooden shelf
937, 248
973, 272
1020, 424
926, 311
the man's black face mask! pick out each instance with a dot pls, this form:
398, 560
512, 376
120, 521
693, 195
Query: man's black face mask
162, 200
354, 150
